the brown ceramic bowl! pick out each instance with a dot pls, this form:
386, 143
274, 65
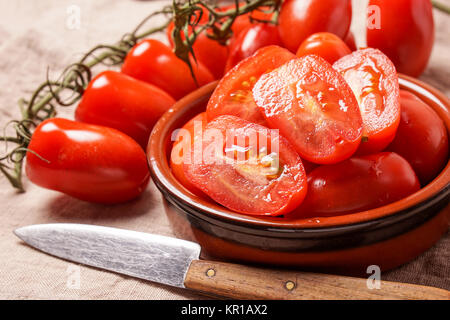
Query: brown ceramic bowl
387, 236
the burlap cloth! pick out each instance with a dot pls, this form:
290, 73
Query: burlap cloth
34, 34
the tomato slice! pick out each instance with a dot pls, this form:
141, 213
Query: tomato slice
184, 140
246, 167
233, 95
373, 79
358, 184
313, 107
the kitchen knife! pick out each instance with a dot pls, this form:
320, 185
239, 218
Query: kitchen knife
176, 263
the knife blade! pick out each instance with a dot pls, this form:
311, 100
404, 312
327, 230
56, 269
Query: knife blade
175, 262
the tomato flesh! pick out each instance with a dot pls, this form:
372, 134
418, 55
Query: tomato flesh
250, 178
373, 79
88, 162
421, 138
115, 100
313, 107
358, 184
152, 61
184, 141
233, 95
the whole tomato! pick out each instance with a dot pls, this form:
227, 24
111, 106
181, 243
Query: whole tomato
115, 100
244, 21
88, 162
421, 137
350, 41
326, 45
358, 184
250, 40
152, 61
301, 18
405, 33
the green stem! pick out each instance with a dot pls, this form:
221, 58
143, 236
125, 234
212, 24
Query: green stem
440, 6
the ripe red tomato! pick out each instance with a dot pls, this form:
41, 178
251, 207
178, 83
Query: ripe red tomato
247, 168
313, 107
233, 94
244, 21
405, 33
301, 18
88, 162
421, 138
250, 40
184, 141
209, 52
358, 184
115, 100
154, 62
350, 41
325, 45
373, 79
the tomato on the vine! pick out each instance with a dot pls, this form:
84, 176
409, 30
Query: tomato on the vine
313, 107
88, 162
421, 138
211, 53
324, 44
244, 21
301, 18
250, 40
154, 62
247, 168
374, 81
115, 100
404, 32
358, 184
233, 95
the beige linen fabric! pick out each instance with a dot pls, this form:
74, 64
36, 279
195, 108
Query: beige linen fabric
33, 35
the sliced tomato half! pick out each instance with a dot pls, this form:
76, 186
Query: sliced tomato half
373, 79
313, 107
233, 95
246, 167
183, 141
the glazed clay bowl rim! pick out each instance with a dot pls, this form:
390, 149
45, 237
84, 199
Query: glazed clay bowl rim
162, 175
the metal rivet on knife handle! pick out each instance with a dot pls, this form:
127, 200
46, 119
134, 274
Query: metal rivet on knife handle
289, 285
210, 272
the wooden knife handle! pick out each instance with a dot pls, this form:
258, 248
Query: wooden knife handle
243, 282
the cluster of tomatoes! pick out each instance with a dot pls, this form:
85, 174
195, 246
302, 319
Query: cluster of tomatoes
333, 125
350, 140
